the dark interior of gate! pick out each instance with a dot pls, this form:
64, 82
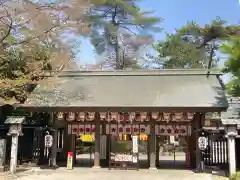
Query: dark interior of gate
125, 140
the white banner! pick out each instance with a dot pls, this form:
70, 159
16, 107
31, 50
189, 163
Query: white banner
135, 144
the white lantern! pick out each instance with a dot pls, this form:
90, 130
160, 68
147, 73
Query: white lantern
167, 116
155, 115
81, 116
143, 116
60, 116
90, 116
132, 116
178, 116
103, 115
71, 116
190, 116
113, 116
121, 117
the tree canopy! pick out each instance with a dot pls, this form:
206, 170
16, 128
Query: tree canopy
232, 65
179, 52
193, 46
32, 39
114, 19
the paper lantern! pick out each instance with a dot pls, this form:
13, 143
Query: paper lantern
135, 129
103, 115
183, 130
113, 116
155, 115
75, 129
177, 116
81, 129
127, 129
143, 116
90, 116
190, 116
60, 116
144, 129
167, 116
113, 129
71, 116
81, 116
132, 116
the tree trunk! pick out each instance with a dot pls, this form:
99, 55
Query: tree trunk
210, 57
119, 64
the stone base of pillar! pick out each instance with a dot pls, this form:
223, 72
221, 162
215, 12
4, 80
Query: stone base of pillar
152, 168
96, 167
3, 168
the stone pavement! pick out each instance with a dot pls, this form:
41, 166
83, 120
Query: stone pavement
105, 174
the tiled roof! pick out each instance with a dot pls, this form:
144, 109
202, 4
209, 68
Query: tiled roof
170, 88
232, 115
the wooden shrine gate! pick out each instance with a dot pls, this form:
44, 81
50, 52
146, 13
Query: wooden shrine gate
216, 153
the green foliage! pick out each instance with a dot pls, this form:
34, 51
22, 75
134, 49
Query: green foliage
235, 176
232, 65
193, 46
210, 35
216, 30
175, 52
111, 18
18, 67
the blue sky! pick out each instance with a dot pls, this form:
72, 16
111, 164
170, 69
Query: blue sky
175, 14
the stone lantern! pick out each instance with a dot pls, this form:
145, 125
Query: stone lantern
15, 130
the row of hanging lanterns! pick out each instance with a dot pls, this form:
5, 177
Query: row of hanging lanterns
172, 116
116, 116
80, 116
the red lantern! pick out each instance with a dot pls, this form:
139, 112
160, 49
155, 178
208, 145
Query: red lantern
81, 116
60, 116
71, 116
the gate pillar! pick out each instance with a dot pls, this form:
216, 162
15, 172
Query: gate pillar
197, 151
152, 147
97, 142
54, 148
231, 133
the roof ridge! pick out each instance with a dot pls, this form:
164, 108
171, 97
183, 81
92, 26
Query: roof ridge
132, 72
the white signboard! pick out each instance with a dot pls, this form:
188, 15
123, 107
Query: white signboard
135, 144
123, 157
202, 143
134, 159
